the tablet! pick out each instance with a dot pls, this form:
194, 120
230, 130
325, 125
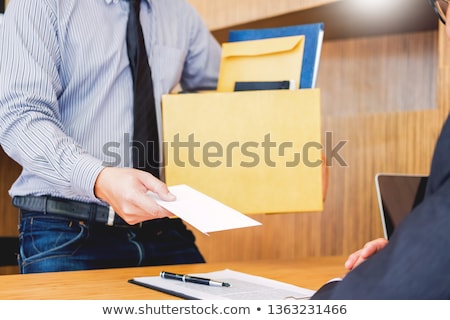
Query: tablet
397, 195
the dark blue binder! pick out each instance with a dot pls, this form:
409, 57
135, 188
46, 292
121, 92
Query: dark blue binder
313, 45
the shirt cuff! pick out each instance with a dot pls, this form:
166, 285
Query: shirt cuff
84, 175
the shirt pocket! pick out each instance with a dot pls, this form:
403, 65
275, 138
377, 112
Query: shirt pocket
167, 65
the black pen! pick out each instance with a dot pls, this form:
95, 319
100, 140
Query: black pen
188, 278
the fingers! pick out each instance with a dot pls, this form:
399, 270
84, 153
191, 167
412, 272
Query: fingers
157, 186
373, 247
129, 197
145, 207
369, 249
352, 260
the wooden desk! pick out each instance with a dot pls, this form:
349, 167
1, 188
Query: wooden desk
112, 284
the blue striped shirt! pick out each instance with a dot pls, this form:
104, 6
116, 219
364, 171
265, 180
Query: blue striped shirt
66, 88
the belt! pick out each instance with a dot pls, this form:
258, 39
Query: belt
71, 209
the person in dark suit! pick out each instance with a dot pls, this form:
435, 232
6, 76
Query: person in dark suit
415, 263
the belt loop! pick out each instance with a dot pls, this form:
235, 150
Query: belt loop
111, 214
92, 213
45, 204
19, 220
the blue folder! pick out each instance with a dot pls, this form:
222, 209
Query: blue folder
313, 45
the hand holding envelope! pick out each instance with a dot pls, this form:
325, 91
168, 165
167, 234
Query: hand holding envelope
273, 59
202, 212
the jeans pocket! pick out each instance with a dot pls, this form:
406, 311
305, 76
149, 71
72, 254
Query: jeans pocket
45, 237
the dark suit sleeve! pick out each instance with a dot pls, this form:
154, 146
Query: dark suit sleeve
416, 262
440, 166
326, 290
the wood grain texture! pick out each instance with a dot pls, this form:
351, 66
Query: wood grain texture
113, 284
9, 171
219, 14
9, 270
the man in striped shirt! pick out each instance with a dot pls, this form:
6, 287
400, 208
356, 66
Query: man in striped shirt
66, 116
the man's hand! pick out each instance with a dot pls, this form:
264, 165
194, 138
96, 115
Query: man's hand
369, 249
125, 190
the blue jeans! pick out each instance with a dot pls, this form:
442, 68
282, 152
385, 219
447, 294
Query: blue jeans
54, 243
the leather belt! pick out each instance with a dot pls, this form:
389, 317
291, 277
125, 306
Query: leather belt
71, 209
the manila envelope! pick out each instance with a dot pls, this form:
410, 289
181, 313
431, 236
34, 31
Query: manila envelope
255, 151
273, 59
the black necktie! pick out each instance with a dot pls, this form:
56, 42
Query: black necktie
145, 138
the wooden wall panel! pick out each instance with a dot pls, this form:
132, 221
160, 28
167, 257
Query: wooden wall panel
379, 74
9, 171
220, 14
